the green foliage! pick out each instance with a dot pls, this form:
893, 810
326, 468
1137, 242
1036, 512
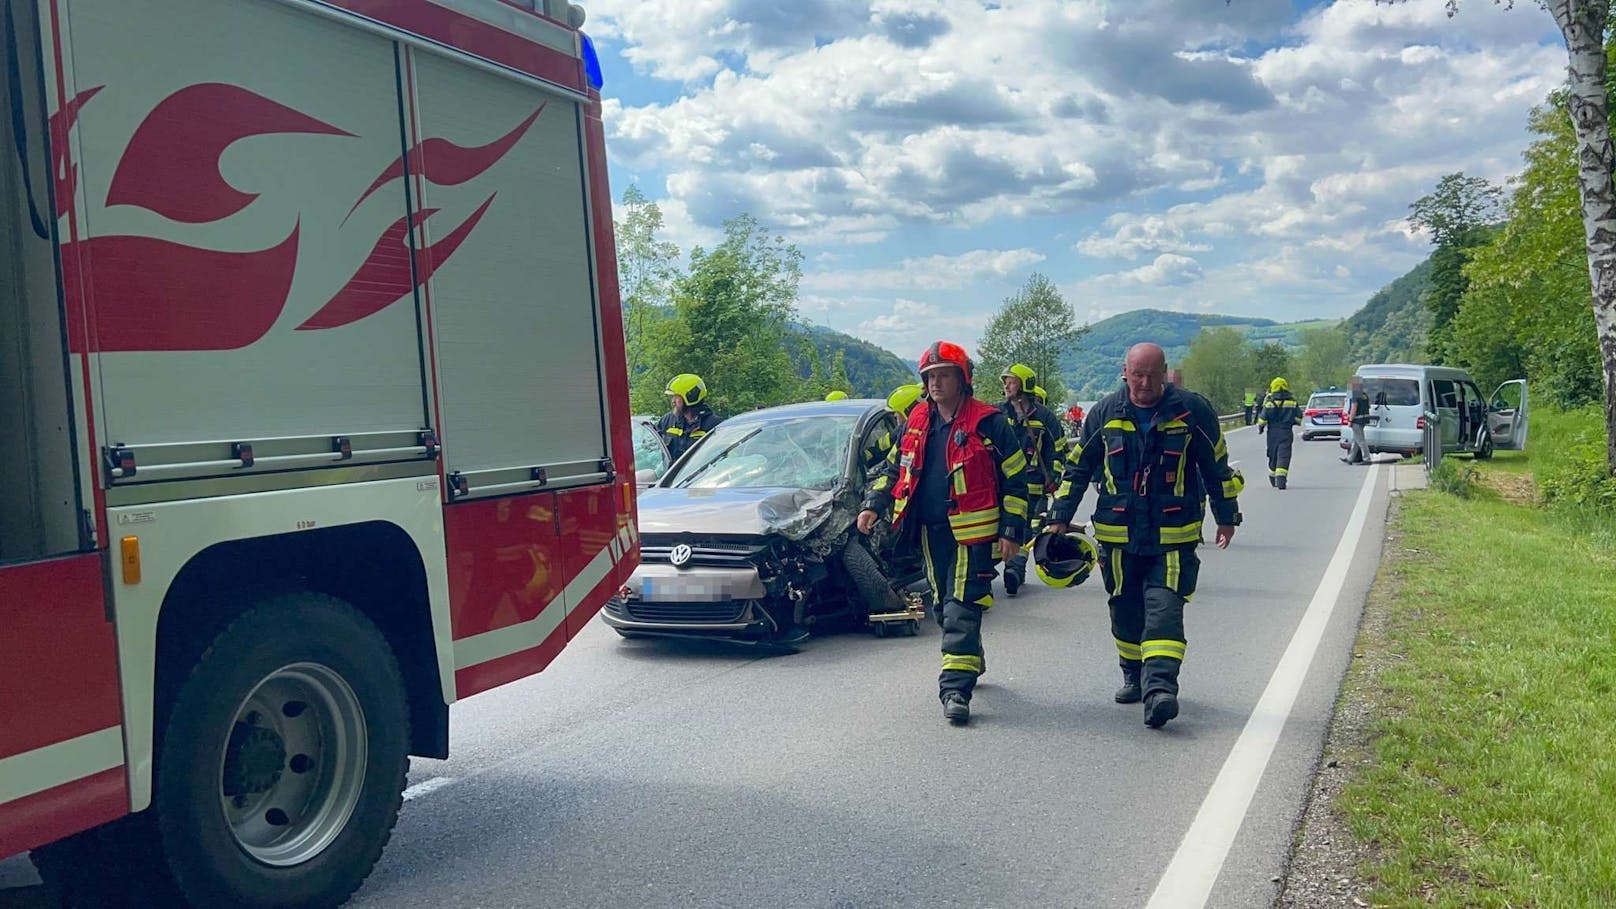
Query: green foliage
646, 269
1568, 459
1035, 326
1456, 214
1219, 365
1394, 325
871, 371
1528, 311
1322, 361
1454, 477
1267, 361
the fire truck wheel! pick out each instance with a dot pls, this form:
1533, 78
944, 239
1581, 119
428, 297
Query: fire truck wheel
281, 771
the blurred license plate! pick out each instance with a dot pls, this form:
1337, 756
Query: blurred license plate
1327, 421
684, 587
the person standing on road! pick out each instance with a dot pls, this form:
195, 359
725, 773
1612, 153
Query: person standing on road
690, 418
1358, 416
1251, 406
1037, 427
1280, 416
1157, 455
956, 488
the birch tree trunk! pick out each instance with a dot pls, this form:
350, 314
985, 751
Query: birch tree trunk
1583, 24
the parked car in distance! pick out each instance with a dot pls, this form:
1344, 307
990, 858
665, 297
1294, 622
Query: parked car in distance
750, 535
1322, 416
651, 458
1401, 395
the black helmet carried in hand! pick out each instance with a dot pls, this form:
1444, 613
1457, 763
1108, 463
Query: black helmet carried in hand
1064, 559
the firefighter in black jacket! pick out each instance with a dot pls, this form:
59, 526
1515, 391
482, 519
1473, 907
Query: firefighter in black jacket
1156, 452
956, 489
1037, 427
690, 418
1281, 414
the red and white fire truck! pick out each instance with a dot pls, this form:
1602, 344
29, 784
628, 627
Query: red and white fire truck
313, 397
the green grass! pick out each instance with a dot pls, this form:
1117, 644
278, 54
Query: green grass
1490, 772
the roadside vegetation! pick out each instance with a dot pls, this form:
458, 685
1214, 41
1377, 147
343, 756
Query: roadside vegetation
1484, 774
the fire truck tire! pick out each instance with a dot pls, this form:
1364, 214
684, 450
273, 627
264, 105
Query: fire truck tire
281, 771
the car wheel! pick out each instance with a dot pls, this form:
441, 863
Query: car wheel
1486, 449
874, 589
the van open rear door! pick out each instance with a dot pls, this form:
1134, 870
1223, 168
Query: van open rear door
1506, 416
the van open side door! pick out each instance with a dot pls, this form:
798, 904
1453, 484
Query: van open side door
1506, 416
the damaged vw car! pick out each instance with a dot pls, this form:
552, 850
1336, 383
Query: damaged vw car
751, 535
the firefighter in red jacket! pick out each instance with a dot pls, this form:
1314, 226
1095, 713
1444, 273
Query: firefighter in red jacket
956, 489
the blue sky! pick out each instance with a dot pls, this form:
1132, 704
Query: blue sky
1251, 158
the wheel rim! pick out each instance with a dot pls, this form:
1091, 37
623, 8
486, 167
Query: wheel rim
293, 764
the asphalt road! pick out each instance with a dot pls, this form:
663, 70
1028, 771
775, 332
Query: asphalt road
662, 774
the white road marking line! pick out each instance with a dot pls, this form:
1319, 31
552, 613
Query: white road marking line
1195, 866
426, 787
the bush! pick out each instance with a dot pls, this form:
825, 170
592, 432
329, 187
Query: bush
1568, 457
1454, 477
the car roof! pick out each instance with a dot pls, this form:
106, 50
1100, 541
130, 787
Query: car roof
1409, 371
847, 407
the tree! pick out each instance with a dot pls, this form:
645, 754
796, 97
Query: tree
1583, 23
1323, 361
1034, 326
1456, 214
1270, 360
731, 316
1218, 365
1525, 312
646, 269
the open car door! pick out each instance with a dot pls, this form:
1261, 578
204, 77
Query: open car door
1506, 416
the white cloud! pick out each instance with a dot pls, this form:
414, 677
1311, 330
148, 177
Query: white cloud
929, 272
1169, 270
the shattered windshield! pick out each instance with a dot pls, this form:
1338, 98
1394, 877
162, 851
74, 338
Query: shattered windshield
802, 452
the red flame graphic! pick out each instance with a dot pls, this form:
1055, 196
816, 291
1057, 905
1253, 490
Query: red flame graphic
385, 276
151, 294
446, 164
171, 165
67, 173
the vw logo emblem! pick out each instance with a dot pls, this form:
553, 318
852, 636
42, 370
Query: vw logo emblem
681, 554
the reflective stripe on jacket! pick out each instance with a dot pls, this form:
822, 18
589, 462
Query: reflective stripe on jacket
1282, 411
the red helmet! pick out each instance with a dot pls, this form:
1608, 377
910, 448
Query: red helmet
946, 353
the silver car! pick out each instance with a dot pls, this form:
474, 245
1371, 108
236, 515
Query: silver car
750, 535
651, 458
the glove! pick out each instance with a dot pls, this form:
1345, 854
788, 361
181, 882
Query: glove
1261, 427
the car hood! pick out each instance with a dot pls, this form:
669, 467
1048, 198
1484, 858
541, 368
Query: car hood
791, 513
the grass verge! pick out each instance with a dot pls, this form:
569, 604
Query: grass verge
1487, 775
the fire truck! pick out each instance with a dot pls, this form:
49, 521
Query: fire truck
313, 409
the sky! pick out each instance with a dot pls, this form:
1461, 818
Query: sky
1251, 157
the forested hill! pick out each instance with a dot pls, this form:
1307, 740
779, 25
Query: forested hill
1093, 368
1393, 325
873, 371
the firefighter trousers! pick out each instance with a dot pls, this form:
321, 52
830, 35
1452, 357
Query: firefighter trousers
1147, 596
1280, 441
1036, 508
962, 579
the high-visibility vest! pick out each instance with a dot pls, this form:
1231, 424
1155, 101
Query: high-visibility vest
973, 506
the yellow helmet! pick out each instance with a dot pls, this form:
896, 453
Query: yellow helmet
1278, 385
1064, 559
904, 397
836, 395
1028, 378
689, 386
1039, 393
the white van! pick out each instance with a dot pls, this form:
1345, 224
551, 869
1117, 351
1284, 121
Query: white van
1401, 394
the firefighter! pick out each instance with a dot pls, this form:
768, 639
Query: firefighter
1037, 428
901, 401
1281, 414
690, 418
1057, 431
956, 488
1251, 406
1157, 455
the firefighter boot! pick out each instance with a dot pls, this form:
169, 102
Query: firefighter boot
1129, 692
1280, 481
956, 709
1012, 581
1159, 708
